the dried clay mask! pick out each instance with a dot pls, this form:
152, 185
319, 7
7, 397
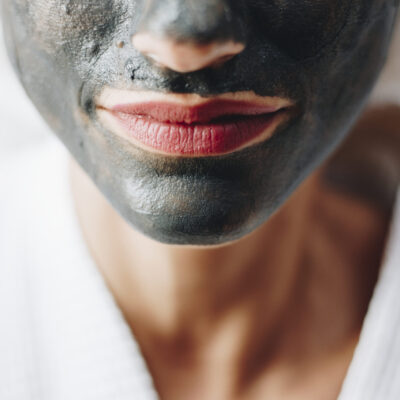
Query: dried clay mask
321, 56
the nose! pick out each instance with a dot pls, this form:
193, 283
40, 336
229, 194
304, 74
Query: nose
187, 35
185, 57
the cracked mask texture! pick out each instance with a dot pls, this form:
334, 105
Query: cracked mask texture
323, 54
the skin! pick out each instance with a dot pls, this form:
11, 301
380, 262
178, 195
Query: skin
275, 315
66, 52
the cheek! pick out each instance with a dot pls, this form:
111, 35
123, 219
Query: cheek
301, 28
71, 26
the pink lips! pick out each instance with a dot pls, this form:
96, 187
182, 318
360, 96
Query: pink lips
216, 127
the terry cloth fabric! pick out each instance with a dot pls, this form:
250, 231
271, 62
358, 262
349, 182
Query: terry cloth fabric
62, 336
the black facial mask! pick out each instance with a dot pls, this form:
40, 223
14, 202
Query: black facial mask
325, 55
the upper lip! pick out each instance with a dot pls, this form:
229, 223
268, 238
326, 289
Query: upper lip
189, 109
204, 113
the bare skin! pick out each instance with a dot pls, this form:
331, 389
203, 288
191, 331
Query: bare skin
275, 315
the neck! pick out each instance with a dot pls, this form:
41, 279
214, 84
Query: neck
178, 284
234, 304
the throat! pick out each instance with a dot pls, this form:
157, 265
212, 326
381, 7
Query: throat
262, 309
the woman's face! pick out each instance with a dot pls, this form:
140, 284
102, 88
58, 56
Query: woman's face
320, 56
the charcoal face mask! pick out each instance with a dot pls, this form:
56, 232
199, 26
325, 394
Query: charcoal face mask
323, 54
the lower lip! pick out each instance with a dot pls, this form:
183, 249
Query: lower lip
195, 139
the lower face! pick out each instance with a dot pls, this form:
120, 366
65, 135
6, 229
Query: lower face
67, 54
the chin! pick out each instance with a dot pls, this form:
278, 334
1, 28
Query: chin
210, 226
192, 231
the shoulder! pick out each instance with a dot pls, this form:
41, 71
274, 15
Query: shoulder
29, 202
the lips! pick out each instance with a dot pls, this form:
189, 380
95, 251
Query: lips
213, 128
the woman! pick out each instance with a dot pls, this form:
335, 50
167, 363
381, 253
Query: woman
196, 122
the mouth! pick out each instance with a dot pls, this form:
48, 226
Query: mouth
188, 125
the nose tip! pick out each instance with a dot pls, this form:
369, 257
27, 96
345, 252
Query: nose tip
185, 56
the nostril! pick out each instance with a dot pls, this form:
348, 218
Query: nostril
185, 56
222, 60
